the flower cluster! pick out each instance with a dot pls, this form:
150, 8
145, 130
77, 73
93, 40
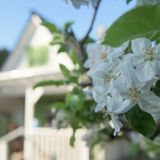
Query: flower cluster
123, 77
78, 3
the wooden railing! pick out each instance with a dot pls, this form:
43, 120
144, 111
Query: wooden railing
49, 144
5, 140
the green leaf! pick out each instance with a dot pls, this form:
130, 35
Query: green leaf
134, 149
73, 79
75, 99
58, 105
155, 36
141, 121
68, 25
64, 47
58, 38
74, 56
52, 27
139, 22
65, 71
50, 83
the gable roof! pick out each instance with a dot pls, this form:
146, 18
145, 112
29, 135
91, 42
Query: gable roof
33, 23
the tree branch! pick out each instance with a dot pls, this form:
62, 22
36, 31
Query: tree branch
79, 45
92, 22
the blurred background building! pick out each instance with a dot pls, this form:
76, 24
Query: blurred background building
27, 123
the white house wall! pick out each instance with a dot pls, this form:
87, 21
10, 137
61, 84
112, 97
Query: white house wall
42, 37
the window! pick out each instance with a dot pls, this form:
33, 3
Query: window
38, 56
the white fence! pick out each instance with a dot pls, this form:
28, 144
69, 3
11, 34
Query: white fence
51, 144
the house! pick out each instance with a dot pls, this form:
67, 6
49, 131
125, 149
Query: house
34, 60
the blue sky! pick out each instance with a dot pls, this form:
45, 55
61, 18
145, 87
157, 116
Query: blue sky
14, 14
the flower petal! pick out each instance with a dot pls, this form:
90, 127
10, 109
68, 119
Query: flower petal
150, 103
140, 45
116, 123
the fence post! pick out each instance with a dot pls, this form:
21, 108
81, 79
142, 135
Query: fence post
31, 97
3, 150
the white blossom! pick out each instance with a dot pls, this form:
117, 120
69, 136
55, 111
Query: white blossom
117, 54
146, 59
97, 54
122, 80
138, 92
116, 106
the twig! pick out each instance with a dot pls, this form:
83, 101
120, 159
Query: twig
92, 22
80, 44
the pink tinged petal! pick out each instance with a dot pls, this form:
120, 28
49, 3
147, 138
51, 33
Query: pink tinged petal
140, 45
150, 103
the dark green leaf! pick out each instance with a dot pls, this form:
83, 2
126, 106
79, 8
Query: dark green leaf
50, 83
128, 1
89, 40
64, 47
73, 138
139, 22
61, 49
141, 121
73, 79
158, 84
52, 27
65, 71
156, 88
